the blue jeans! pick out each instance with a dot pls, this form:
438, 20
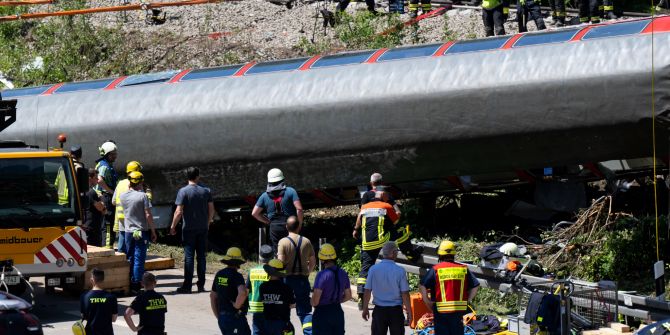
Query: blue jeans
137, 255
328, 320
303, 306
121, 247
195, 244
231, 324
257, 322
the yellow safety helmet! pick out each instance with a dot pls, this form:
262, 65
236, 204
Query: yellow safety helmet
133, 166
327, 252
233, 256
78, 328
136, 177
446, 248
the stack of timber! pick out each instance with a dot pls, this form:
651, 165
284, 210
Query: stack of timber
613, 328
117, 269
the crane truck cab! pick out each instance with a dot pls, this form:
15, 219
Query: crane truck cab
40, 214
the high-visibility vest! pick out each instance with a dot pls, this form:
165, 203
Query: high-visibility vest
451, 287
404, 234
490, 4
374, 215
111, 179
61, 188
256, 277
122, 187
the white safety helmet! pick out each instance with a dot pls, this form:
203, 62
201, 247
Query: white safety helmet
107, 147
275, 175
510, 249
376, 177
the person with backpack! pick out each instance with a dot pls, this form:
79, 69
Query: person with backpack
331, 289
276, 205
297, 254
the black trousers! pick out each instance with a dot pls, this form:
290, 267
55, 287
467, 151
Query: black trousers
588, 11
493, 21
530, 10
277, 232
368, 259
426, 6
557, 8
108, 234
388, 320
344, 3
448, 323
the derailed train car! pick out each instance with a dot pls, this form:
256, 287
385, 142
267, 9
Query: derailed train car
420, 114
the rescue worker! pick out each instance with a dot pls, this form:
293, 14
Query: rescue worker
452, 288
278, 299
372, 221
256, 277
122, 187
606, 8
229, 295
557, 12
95, 211
331, 290
98, 307
298, 255
426, 7
588, 11
494, 14
151, 306
526, 9
139, 223
278, 202
75, 152
107, 179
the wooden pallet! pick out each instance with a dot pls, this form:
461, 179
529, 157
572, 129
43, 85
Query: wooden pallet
160, 263
117, 269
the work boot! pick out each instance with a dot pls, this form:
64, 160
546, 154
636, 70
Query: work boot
560, 22
360, 302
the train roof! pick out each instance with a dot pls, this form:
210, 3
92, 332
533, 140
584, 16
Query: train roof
582, 33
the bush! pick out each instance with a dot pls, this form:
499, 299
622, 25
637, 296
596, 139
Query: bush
364, 30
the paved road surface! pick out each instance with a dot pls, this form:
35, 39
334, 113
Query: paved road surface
188, 314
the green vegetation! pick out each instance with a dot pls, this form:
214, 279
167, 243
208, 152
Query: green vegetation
365, 31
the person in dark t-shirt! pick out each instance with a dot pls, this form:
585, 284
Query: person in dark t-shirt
151, 306
278, 299
229, 296
98, 308
95, 211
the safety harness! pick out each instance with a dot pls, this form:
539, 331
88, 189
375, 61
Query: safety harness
296, 259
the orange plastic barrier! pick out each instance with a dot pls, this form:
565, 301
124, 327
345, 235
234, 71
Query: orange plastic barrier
418, 308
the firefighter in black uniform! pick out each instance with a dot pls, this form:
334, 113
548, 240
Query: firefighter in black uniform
606, 8
558, 12
371, 221
526, 9
588, 11
494, 14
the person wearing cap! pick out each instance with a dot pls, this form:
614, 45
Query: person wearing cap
388, 282
228, 297
75, 153
195, 208
255, 278
373, 222
95, 211
107, 179
399, 233
331, 289
122, 187
452, 287
278, 299
276, 205
139, 224
298, 255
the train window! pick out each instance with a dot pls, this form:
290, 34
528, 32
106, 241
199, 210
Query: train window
409, 52
84, 85
149, 78
214, 72
477, 45
20, 92
277, 66
343, 59
558, 36
618, 29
